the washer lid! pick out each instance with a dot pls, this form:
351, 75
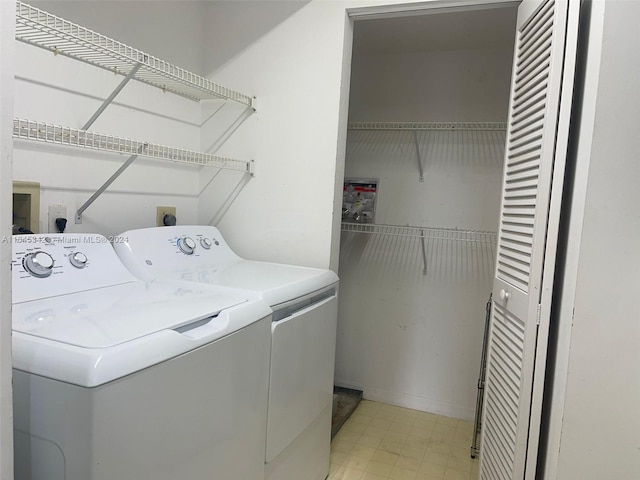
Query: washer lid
274, 282
111, 316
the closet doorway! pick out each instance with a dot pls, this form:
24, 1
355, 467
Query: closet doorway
427, 120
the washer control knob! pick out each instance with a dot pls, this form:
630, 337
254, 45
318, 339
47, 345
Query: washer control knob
186, 245
38, 264
206, 243
78, 259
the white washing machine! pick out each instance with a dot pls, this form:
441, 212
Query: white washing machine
116, 379
303, 333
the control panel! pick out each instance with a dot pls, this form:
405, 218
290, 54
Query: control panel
188, 245
150, 252
49, 265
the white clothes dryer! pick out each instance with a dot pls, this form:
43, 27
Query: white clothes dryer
115, 378
303, 333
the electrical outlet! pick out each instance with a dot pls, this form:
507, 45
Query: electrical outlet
161, 212
55, 211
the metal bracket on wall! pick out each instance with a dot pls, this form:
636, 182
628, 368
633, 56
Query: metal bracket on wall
110, 98
420, 167
424, 253
106, 184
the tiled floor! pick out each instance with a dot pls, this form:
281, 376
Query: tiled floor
381, 442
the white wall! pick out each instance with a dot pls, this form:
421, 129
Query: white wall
458, 85
403, 337
7, 32
59, 90
600, 431
285, 213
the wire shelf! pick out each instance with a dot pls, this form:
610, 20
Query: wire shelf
447, 234
482, 126
42, 29
392, 251
55, 134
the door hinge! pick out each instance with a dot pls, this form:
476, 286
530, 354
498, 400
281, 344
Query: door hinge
539, 314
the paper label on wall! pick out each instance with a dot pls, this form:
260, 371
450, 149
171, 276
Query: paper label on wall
359, 200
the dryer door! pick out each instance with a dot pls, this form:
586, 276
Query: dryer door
302, 363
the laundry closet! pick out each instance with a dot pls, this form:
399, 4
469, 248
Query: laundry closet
423, 170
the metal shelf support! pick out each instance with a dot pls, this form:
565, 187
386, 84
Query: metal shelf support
424, 253
420, 167
110, 98
106, 184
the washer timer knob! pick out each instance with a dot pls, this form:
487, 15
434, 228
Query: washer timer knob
78, 259
206, 243
186, 245
39, 264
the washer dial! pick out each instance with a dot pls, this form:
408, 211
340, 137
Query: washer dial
78, 259
38, 264
187, 245
206, 243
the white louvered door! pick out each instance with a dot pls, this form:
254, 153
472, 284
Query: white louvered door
537, 135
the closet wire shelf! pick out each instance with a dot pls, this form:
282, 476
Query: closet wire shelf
55, 134
44, 30
433, 241
466, 126
447, 234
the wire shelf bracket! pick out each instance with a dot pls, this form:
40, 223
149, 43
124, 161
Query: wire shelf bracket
424, 253
39, 28
105, 185
111, 97
420, 165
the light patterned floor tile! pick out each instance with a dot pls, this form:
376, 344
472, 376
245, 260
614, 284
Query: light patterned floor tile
354, 427
353, 461
400, 427
372, 476
426, 476
413, 441
453, 474
385, 442
396, 437
385, 457
437, 458
344, 436
371, 430
379, 468
399, 473
338, 457
344, 473
391, 447
367, 440
381, 423
432, 469
409, 463
363, 451
342, 446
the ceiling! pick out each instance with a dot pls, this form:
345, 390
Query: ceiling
460, 30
